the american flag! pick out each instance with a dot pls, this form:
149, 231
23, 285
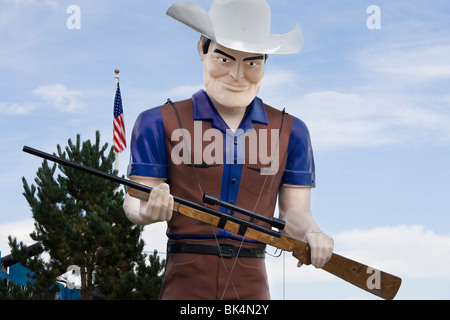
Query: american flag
120, 142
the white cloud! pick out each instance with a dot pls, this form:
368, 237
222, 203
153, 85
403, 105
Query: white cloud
409, 251
276, 78
416, 62
25, 2
20, 230
365, 120
356, 120
60, 97
155, 237
17, 108
55, 96
49, 3
339, 119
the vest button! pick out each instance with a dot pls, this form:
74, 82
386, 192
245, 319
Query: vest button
233, 181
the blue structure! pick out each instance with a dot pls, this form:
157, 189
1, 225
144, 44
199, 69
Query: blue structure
67, 294
15, 272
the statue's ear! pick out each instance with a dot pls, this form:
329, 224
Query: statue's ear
200, 50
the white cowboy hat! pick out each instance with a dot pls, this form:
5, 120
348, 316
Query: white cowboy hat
242, 25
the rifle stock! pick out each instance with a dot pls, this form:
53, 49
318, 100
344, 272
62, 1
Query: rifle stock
379, 283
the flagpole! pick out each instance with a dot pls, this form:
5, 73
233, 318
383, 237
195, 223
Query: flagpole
116, 162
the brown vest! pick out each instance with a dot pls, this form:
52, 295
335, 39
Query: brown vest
253, 185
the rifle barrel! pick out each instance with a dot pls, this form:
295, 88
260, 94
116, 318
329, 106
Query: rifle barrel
144, 188
87, 169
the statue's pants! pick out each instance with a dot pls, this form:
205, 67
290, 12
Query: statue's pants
192, 276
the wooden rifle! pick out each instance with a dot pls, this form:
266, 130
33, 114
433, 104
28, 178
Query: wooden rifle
377, 282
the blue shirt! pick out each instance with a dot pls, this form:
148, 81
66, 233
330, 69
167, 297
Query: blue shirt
148, 149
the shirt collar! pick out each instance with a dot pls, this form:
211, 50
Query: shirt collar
203, 109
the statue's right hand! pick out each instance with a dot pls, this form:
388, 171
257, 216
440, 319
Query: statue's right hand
160, 204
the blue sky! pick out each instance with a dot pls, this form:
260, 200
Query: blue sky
375, 100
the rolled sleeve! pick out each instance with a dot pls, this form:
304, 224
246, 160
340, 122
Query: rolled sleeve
148, 149
300, 168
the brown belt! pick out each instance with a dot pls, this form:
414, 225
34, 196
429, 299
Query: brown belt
223, 250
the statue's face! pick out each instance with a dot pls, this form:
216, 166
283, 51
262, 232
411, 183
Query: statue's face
232, 78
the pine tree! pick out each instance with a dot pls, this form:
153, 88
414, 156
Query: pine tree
79, 220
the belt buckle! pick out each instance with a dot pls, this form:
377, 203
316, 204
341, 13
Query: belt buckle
226, 251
